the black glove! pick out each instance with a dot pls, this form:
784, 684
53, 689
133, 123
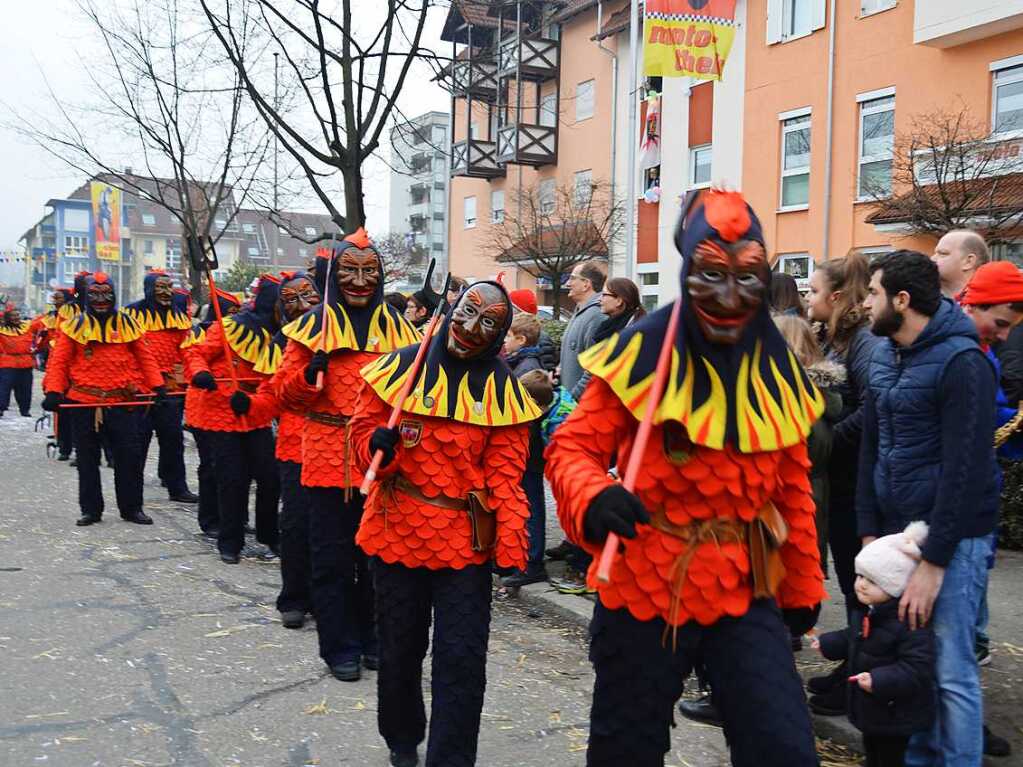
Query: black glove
614, 510
161, 395
240, 403
801, 619
52, 401
386, 440
204, 380
318, 364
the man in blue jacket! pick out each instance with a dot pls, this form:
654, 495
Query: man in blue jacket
927, 453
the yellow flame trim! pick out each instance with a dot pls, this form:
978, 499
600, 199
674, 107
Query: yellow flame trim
152, 322
270, 360
196, 337
22, 328
385, 333
118, 329
244, 342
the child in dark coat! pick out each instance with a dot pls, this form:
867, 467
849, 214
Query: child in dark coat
891, 692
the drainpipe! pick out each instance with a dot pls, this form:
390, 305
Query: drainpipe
630, 184
829, 131
614, 99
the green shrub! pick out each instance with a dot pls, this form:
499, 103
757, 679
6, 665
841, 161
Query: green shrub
555, 330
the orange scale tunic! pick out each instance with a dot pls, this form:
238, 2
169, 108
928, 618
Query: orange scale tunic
16, 350
165, 346
698, 484
98, 365
401, 529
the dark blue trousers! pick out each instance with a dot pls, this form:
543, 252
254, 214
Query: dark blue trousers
752, 675
341, 581
209, 509
240, 457
17, 381
120, 428
459, 603
532, 484
296, 566
166, 420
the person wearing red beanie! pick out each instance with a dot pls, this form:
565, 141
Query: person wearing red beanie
993, 299
524, 300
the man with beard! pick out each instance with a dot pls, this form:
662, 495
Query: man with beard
166, 326
297, 296
927, 454
16, 360
720, 543
208, 515
449, 503
100, 357
243, 445
330, 344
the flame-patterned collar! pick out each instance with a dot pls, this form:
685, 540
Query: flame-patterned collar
117, 328
154, 319
15, 330
272, 355
194, 338
247, 340
329, 327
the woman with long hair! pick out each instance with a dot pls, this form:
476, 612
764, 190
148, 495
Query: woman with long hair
784, 295
837, 290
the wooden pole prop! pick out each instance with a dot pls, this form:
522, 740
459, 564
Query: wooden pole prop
326, 302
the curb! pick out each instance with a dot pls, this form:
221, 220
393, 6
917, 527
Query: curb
578, 610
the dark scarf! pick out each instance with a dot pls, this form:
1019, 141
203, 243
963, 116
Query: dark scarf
154, 317
274, 352
612, 325
481, 390
752, 395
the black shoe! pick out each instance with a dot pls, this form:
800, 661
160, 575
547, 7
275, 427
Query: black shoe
349, 671
26, 415
230, 559
63, 457
87, 519
186, 496
995, 745
830, 703
819, 685
560, 552
138, 518
402, 759
293, 619
371, 661
701, 710
520, 579
74, 462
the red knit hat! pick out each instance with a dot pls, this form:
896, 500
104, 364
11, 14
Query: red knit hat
998, 282
524, 300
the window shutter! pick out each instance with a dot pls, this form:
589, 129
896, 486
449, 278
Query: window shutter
820, 15
774, 14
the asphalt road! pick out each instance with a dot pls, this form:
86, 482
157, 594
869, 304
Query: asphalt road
134, 646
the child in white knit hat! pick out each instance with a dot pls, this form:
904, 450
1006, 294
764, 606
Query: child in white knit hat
891, 692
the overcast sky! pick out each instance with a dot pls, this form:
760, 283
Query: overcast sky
42, 41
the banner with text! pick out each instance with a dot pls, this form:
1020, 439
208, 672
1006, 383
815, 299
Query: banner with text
106, 221
687, 38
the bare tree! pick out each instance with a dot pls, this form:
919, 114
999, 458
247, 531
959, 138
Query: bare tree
404, 260
551, 229
345, 77
164, 106
949, 172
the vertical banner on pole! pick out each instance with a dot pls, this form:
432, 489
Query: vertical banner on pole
106, 221
687, 38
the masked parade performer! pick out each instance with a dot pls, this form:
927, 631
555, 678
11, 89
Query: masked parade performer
721, 526
449, 504
45, 341
17, 338
208, 510
336, 339
243, 445
165, 321
298, 294
102, 357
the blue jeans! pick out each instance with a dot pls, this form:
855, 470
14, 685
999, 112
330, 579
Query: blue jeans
956, 739
532, 484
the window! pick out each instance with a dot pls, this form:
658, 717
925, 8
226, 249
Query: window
545, 194
584, 100
795, 163
310, 231
75, 265
220, 223
1007, 100
440, 135
474, 129
149, 219
583, 187
75, 245
469, 212
282, 230
254, 252
795, 20
280, 252
877, 142
303, 253
248, 228
549, 111
799, 265
174, 254
792, 19
867, 7
647, 279
147, 247
497, 206
699, 166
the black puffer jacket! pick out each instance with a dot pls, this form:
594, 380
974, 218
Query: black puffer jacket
549, 352
901, 666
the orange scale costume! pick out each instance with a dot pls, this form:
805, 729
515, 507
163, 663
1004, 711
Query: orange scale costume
719, 527
447, 503
17, 358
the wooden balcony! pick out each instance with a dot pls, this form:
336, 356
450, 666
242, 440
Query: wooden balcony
534, 58
526, 144
475, 159
476, 78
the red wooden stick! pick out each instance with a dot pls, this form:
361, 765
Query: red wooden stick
653, 400
323, 324
228, 358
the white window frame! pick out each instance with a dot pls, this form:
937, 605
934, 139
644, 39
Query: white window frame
871, 106
585, 103
149, 219
803, 283
582, 179
474, 130
469, 221
255, 252
248, 228
693, 152
549, 110
778, 11
546, 193
497, 206
649, 290
791, 117
1002, 75
310, 231
872, 7
220, 223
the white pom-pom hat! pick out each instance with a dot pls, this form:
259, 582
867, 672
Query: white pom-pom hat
890, 561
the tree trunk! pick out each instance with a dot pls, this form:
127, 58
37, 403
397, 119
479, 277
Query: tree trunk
556, 294
355, 206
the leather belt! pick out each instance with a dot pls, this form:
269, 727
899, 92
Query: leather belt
125, 392
402, 485
330, 419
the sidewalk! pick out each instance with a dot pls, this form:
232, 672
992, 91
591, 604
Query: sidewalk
1002, 679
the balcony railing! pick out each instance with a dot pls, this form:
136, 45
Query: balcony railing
535, 58
475, 77
475, 159
525, 144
